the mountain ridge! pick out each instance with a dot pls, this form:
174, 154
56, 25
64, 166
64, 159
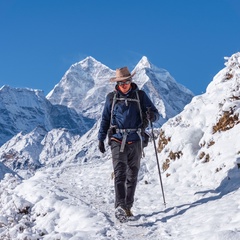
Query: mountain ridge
79, 93
24, 109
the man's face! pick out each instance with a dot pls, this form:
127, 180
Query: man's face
125, 85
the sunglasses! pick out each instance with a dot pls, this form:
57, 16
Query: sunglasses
122, 83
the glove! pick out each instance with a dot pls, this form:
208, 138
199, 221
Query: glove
150, 115
101, 147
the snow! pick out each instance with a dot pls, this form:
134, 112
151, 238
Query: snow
72, 196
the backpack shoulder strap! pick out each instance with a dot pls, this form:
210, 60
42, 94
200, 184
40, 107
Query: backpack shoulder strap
113, 103
139, 105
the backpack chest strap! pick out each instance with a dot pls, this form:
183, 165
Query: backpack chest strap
126, 100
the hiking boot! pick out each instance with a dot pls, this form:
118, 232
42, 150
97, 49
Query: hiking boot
128, 212
120, 214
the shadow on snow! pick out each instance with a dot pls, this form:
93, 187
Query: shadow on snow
228, 185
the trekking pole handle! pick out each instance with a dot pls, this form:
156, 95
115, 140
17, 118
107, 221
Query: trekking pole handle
148, 113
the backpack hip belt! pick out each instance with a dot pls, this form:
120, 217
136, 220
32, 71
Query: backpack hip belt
125, 132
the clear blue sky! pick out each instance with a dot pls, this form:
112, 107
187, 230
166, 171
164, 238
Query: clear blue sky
41, 39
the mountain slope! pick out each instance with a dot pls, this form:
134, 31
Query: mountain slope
209, 122
83, 87
168, 96
22, 110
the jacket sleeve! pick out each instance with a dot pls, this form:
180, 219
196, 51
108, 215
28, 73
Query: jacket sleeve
106, 118
147, 103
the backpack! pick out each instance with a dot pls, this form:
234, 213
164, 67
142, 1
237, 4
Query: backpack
143, 135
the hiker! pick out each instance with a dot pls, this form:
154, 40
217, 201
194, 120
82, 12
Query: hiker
125, 115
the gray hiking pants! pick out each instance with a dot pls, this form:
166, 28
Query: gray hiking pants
126, 166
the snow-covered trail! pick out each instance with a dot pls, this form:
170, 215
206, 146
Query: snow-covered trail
93, 186
76, 202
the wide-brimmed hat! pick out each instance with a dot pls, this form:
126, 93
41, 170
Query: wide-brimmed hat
122, 74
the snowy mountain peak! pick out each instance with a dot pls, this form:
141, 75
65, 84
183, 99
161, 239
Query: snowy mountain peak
230, 72
233, 61
8, 89
89, 66
144, 63
89, 59
87, 63
85, 85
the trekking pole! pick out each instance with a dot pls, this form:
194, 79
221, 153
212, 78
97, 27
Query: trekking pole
159, 172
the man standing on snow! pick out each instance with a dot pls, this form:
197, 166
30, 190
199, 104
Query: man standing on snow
124, 119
